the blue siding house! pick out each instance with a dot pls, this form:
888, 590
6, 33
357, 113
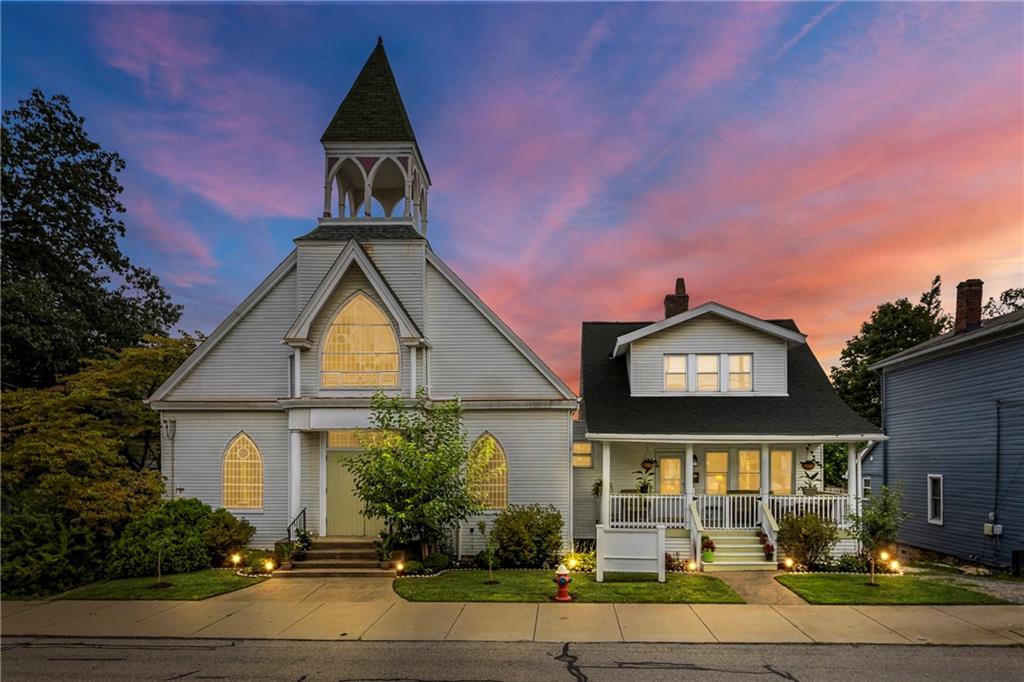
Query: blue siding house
953, 408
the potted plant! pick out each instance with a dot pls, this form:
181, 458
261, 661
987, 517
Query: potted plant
810, 483
645, 476
707, 549
769, 551
809, 464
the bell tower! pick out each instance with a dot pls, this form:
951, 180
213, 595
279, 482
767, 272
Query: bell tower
374, 172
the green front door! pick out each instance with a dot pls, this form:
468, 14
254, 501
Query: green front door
343, 508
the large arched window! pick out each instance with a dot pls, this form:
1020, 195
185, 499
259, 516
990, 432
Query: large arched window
242, 481
360, 349
489, 478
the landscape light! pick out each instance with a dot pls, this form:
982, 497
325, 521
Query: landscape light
691, 565
269, 565
399, 567
884, 556
788, 562
894, 566
571, 563
236, 558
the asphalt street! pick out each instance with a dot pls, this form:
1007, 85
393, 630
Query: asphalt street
151, 659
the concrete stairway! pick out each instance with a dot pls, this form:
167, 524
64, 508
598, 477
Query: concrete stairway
737, 550
340, 557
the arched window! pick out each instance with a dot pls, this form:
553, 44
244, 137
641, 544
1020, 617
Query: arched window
242, 482
489, 478
360, 349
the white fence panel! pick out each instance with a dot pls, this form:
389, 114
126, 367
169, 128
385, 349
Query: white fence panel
631, 550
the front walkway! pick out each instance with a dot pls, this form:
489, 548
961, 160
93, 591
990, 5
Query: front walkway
760, 587
367, 609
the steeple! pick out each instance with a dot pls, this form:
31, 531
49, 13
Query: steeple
372, 157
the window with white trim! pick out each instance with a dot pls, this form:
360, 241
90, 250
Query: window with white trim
866, 486
582, 455
741, 372
360, 348
675, 373
707, 373
935, 499
242, 474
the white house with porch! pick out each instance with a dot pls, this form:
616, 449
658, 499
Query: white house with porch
708, 422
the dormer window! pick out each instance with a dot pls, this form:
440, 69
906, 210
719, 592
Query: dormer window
741, 372
675, 373
707, 374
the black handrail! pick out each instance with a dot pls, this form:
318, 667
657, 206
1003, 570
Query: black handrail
298, 522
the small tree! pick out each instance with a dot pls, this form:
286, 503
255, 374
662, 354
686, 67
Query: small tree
415, 469
807, 539
489, 547
878, 522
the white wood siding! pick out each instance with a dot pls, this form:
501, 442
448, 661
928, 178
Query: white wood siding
199, 444
470, 357
707, 334
250, 361
536, 443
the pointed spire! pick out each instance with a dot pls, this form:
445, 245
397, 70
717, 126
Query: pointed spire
373, 110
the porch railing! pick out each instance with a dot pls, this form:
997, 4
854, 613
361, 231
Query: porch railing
832, 507
720, 512
647, 510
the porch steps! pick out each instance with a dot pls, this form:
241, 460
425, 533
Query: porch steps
737, 550
340, 557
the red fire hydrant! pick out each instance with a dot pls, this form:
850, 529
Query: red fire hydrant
562, 579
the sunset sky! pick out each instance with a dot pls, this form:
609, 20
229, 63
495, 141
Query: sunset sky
790, 160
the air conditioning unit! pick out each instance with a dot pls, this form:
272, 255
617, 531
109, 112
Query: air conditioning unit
997, 529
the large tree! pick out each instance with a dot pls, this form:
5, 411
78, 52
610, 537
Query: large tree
893, 327
68, 290
1008, 301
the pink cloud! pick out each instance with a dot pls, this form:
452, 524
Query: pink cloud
190, 258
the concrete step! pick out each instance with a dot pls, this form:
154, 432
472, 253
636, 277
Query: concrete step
730, 533
753, 542
737, 554
335, 573
353, 554
337, 546
720, 566
337, 563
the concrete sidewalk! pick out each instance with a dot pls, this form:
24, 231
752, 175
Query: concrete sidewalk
322, 611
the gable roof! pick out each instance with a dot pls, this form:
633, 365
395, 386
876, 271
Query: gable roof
709, 308
353, 253
373, 110
1004, 324
222, 330
812, 407
499, 324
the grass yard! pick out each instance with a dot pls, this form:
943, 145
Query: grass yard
538, 586
184, 586
833, 588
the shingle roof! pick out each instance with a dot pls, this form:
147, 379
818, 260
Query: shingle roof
373, 110
989, 328
812, 407
361, 233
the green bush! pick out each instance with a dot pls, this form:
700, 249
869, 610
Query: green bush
528, 536
253, 561
436, 562
808, 540
413, 567
226, 535
173, 530
42, 554
579, 561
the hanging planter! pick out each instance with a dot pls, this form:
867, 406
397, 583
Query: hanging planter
648, 464
808, 464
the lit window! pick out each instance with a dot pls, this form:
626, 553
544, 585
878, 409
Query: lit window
360, 349
717, 473
352, 439
741, 372
582, 455
935, 499
489, 478
707, 373
675, 373
242, 483
782, 472
749, 462
670, 476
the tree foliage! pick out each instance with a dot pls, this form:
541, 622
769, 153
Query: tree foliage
68, 290
415, 469
1008, 301
878, 522
808, 539
893, 327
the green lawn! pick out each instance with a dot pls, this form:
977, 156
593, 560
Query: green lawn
823, 588
184, 586
538, 586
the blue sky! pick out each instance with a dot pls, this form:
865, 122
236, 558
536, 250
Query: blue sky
793, 160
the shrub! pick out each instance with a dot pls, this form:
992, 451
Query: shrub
173, 531
808, 540
413, 567
254, 560
43, 554
528, 536
436, 562
673, 562
226, 535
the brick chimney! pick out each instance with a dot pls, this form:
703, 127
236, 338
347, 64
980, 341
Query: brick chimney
678, 302
968, 306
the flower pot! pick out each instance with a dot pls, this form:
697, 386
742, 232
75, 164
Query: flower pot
808, 466
707, 557
809, 490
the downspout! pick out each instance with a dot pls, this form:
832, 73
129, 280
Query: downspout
999, 447
885, 443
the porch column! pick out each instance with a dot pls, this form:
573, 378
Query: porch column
294, 474
851, 476
766, 474
688, 474
412, 371
606, 482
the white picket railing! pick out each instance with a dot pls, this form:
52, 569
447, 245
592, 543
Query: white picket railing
833, 507
635, 510
720, 512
